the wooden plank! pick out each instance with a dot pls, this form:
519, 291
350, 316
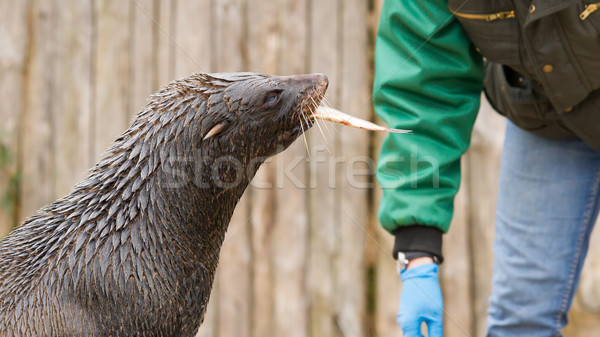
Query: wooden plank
376, 14
354, 184
142, 58
262, 47
36, 158
581, 321
387, 286
262, 205
164, 29
71, 104
111, 71
323, 240
193, 37
456, 274
387, 281
228, 35
290, 231
263, 36
13, 48
584, 319
234, 290
192, 52
484, 158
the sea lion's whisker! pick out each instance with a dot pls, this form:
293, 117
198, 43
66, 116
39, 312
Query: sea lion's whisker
304, 135
329, 105
302, 120
326, 102
321, 131
318, 122
306, 143
303, 114
306, 120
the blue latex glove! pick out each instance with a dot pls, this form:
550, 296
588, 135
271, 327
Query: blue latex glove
421, 301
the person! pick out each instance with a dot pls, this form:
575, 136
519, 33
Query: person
541, 70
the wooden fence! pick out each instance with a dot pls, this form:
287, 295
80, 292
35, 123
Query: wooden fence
304, 257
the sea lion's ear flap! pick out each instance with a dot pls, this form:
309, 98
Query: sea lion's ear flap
215, 130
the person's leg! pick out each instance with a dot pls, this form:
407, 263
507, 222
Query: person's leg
547, 203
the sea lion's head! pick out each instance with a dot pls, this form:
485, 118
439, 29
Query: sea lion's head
262, 113
215, 126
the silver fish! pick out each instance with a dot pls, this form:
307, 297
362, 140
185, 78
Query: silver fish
336, 116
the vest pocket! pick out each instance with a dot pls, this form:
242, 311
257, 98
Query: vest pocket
512, 95
495, 34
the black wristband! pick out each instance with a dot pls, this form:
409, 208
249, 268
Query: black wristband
419, 239
415, 255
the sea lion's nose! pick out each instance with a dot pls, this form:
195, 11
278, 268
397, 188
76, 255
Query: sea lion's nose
317, 79
321, 80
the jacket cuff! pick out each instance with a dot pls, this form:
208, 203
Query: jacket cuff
418, 239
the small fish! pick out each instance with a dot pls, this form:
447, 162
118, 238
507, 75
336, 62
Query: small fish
336, 116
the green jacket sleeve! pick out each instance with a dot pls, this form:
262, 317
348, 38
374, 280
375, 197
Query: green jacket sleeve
428, 78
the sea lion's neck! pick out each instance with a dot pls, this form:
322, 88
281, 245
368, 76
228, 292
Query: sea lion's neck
176, 185
199, 195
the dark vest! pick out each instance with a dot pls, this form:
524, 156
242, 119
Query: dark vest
542, 62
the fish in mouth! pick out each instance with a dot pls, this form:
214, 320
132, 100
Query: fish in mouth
333, 115
313, 111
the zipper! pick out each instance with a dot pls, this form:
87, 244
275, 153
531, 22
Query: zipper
488, 17
589, 9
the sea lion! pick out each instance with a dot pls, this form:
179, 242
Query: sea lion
133, 249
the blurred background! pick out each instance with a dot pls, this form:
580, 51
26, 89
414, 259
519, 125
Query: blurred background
305, 258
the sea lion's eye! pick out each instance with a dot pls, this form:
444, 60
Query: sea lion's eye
272, 97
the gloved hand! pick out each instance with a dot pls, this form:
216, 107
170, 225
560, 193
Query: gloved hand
421, 301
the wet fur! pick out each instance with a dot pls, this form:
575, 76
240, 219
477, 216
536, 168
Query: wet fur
133, 249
